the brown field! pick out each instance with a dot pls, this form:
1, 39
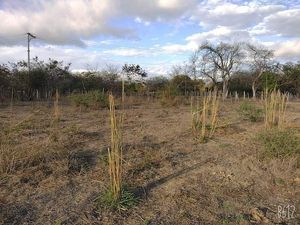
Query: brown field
56, 171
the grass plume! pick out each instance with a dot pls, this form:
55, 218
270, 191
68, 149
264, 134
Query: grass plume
115, 153
205, 119
275, 106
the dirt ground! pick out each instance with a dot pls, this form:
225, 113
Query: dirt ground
178, 180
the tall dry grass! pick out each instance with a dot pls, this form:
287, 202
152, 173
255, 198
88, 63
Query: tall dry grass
123, 93
275, 104
56, 106
205, 116
115, 152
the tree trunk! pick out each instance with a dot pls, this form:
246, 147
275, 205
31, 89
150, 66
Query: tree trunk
225, 89
253, 90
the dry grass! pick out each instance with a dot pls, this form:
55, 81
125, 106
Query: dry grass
59, 181
7, 159
280, 143
18, 148
56, 106
115, 152
123, 93
55, 119
205, 119
275, 106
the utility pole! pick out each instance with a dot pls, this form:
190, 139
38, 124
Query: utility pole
29, 38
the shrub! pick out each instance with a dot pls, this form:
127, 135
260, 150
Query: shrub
280, 143
250, 112
93, 99
168, 97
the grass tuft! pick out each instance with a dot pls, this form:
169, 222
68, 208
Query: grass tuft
205, 117
127, 200
275, 107
92, 99
280, 143
250, 112
115, 152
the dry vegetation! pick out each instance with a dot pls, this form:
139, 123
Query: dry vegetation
275, 107
205, 116
156, 171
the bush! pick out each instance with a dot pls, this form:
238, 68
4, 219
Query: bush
250, 112
93, 99
170, 96
280, 143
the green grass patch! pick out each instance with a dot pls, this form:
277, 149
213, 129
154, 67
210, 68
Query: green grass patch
92, 99
250, 112
280, 143
127, 200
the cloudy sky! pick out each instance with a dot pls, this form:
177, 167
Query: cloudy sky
153, 33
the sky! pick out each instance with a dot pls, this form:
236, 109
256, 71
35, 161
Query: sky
156, 34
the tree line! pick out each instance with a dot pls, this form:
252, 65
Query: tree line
241, 67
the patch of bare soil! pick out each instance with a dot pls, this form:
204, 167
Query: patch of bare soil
178, 180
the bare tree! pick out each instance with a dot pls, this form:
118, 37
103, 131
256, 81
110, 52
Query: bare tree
111, 72
179, 69
192, 66
219, 61
208, 70
260, 59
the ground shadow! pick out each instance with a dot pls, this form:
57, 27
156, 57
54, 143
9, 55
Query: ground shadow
143, 191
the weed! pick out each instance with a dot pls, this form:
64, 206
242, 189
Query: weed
280, 143
170, 97
7, 159
147, 222
127, 200
93, 99
250, 111
225, 145
56, 106
55, 119
58, 222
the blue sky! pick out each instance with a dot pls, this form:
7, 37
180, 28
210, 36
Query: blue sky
156, 34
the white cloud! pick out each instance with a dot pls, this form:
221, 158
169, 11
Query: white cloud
216, 13
126, 52
79, 57
61, 21
284, 23
287, 49
139, 20
162, 10
220, 33
68, 22
81, 22
169, 4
